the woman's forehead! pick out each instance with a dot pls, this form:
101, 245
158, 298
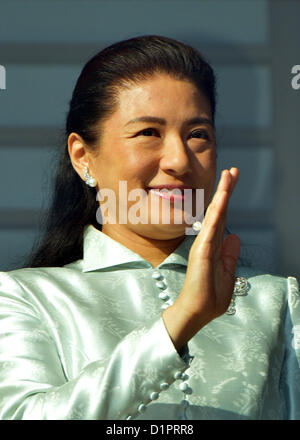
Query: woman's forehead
160, 97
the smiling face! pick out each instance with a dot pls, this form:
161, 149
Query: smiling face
175, 147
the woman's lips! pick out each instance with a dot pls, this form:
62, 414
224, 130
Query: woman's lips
175, 194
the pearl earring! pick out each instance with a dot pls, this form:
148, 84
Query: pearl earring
89, 180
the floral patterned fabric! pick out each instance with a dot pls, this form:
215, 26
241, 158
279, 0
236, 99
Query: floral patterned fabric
87, 341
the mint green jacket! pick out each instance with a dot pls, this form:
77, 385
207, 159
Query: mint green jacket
87, 341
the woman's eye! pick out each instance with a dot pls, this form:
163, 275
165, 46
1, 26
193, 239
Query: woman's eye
147, 132
200, 134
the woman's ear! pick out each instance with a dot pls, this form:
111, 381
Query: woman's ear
78, 153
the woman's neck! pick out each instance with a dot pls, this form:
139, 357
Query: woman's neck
153, 250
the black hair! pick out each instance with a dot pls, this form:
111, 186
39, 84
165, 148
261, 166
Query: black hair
94, 100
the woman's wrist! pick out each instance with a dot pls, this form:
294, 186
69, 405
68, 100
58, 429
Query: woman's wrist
180, 328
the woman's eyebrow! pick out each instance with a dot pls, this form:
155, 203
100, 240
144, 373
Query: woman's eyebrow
196, 120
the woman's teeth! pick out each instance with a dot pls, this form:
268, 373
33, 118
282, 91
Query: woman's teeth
171, 191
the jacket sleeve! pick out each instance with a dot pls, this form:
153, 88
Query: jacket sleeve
290, 377
33, 385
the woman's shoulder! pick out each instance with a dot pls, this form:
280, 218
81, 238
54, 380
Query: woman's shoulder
31, 275
266, 283
30, 289
253, 271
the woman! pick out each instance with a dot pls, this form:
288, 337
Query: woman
143, 320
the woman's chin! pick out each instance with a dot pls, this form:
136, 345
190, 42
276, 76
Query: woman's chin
160, 231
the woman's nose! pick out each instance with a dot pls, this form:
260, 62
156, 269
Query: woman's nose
175, 158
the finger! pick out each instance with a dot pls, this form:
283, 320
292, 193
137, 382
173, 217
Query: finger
214, 223
230, 252
221, 230
218, 206
213, 212
218, 210
233, 176
224, 182
223, 185
227, 181
234, 173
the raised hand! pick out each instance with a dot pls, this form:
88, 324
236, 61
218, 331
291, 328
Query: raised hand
209, 281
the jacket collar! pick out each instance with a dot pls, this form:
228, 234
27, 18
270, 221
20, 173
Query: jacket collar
102, 252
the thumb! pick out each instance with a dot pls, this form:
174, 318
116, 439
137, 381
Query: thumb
230, 252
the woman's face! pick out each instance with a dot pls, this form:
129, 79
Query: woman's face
176, 147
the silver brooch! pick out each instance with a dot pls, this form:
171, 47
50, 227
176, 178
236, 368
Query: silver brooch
241, 287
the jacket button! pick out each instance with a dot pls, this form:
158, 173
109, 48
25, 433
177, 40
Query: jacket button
163, 295
142, 408
183, 386
154, 395
178, 375
161, 284
164, 386
156, 275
